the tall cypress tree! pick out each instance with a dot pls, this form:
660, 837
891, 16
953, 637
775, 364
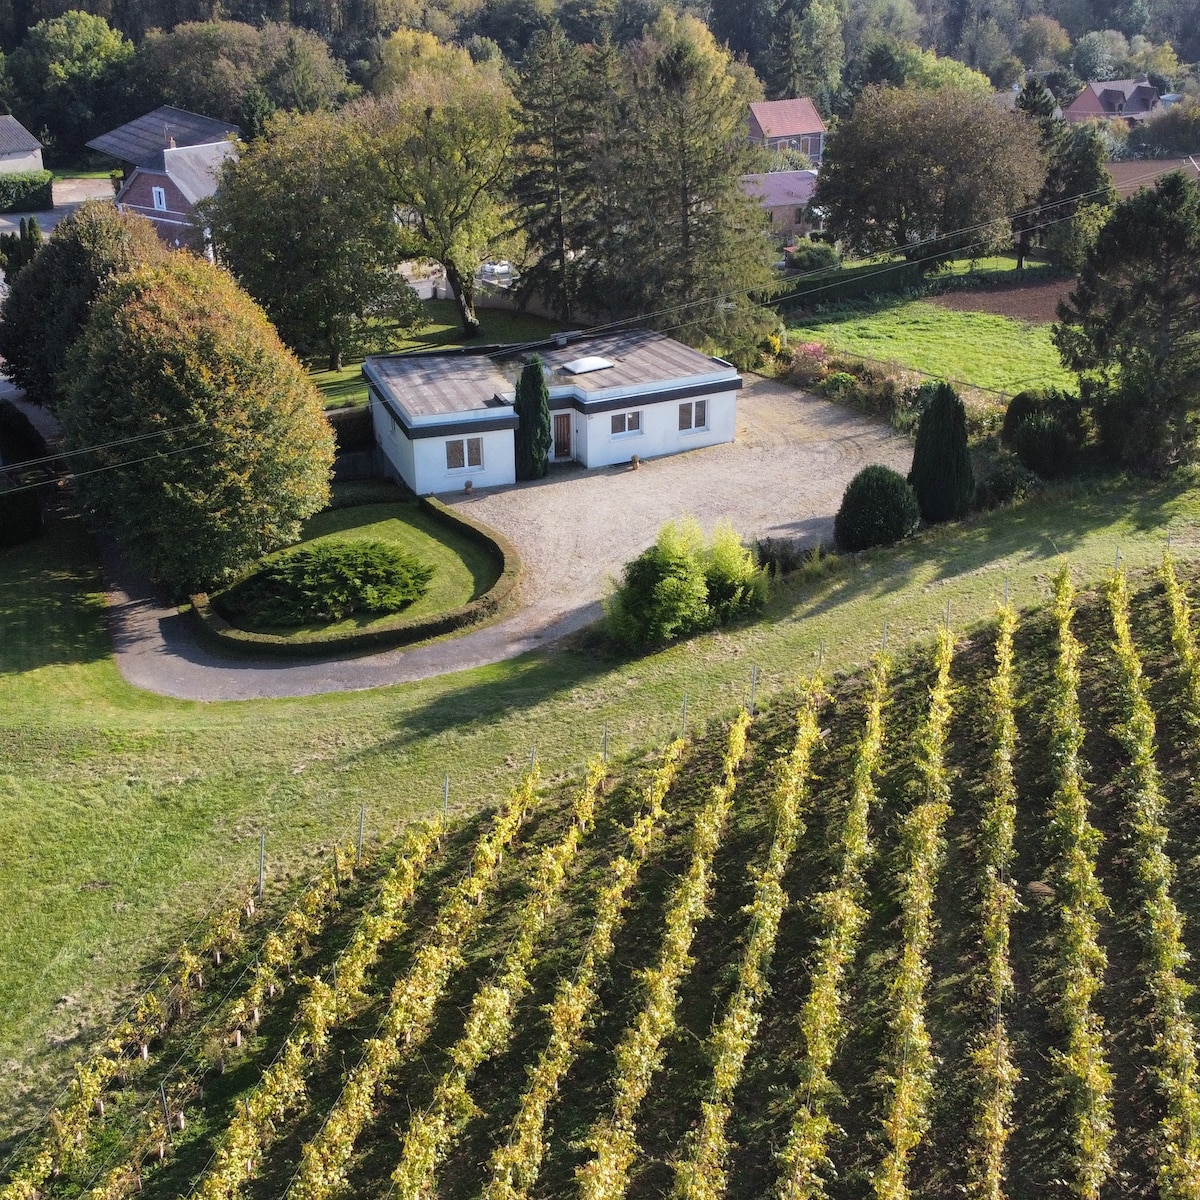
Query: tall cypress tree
532, 439
942, 475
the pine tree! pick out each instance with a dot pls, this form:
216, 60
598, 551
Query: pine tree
533, 415
942, 475
551, 184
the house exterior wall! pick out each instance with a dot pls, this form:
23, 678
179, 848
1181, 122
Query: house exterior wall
811, 144
421, 461
27, 160
173, 222
659, 433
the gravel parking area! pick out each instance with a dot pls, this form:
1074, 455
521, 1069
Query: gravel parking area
783, 477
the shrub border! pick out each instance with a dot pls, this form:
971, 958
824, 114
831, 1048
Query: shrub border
218, 634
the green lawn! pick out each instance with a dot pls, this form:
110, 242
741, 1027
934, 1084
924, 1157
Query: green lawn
979, 350
462, 570
347, 387
123, 815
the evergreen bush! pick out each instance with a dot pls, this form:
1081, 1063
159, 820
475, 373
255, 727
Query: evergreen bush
326, 582
678, 586
1038, 400
878, 508
532, 406
1044, 445
941, 475
814, 256
26, 191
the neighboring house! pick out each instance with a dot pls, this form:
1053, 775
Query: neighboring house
172, 161
785, 196
1129, 100
788, 125
19, 149
445, 419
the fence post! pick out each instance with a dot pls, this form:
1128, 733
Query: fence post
262, 862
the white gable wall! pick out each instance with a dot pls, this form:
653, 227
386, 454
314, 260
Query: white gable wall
25, 160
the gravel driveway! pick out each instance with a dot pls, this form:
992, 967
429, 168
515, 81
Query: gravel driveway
783, 477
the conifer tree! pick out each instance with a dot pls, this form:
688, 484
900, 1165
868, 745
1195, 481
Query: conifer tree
533, 413
942, 476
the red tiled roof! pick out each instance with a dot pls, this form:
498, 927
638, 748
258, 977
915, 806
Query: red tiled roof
784, 118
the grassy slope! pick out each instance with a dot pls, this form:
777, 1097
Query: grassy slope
763, 1102
346, 387
994, 353
122, 815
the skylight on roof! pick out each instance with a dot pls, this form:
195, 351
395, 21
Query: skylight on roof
583, 366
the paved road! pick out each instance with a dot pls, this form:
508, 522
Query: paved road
783, 478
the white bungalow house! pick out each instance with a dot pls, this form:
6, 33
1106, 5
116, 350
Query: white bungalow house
442, 419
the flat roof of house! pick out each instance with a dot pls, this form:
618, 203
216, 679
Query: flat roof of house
441, 385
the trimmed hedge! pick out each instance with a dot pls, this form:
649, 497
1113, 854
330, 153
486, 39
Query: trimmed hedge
27, 191
219, 635
20, 513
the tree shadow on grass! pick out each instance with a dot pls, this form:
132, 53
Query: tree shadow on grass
1041, 530
51, 600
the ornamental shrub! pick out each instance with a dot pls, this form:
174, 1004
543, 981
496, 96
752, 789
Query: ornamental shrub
26, 191
941, 475
879, 507
678, 586
533, 437
1037, 400
20, 512
814, 256
328, 581
1044, 445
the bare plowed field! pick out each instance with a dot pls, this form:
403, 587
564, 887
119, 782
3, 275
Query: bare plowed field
1037, 302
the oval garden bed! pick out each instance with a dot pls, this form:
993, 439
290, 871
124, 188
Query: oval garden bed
465, 574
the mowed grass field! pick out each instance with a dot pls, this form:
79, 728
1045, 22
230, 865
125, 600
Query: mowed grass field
124, 817
971, 349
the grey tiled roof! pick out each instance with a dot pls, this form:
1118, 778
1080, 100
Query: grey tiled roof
15, 138
142, 142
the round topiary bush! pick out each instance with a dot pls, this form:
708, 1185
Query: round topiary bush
1044, 445
326, 582
814, 256
878, 508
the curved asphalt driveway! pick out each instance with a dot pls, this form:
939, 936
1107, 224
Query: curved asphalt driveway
783, 477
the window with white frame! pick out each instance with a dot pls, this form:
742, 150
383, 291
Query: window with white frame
464, 453
160, 199
693, 415
626, 422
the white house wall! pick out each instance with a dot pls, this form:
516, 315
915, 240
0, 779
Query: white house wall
499, 467
14, 164
660, 433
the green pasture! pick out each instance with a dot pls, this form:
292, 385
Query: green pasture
347, 387
462, 569
124, 816
970, 349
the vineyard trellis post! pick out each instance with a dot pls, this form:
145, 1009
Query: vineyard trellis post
446, 795
362, 820
753, 685
683, 723
262, 862
604, 745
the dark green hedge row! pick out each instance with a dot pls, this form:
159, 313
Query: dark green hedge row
502, 596
26, 191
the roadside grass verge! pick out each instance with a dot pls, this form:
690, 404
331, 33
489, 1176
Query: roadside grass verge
994, 353
124, 815
347, 386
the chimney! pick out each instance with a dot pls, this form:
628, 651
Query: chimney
171, 142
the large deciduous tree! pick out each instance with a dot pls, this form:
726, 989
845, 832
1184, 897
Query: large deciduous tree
444, 143
49, 301
301, 222
1131, 328
201, 440
927, 173
68, 77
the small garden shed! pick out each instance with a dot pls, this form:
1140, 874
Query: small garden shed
444, 418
